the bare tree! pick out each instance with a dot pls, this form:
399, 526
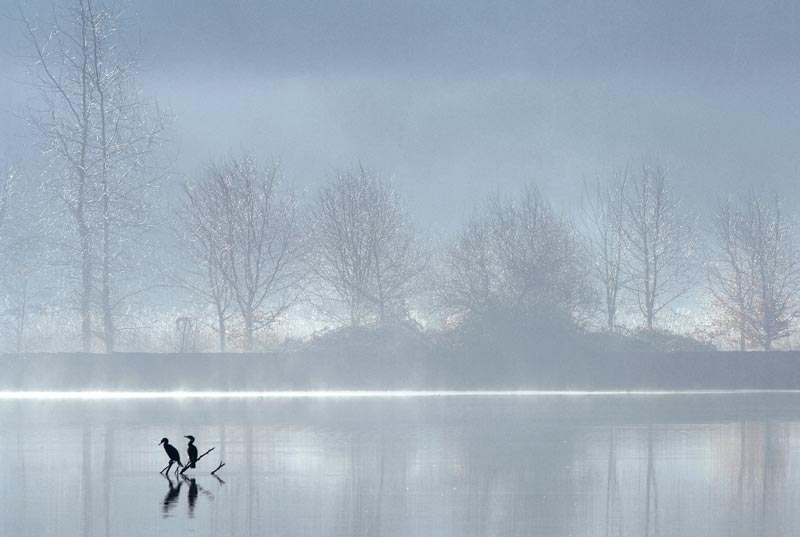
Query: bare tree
727, 271
520, 255
397, 255
603, 219
201, 236
98, 133
661, 243
776, 272
21, 281
472, 273
754, 274
8, 180
250, 239
366, 255
14, 284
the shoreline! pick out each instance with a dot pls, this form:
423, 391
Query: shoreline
316, 370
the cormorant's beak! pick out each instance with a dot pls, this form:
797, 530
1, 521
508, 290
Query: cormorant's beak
160, 442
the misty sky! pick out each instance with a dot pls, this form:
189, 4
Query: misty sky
458, 99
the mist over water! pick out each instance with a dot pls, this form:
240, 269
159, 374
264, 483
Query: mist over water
578, 466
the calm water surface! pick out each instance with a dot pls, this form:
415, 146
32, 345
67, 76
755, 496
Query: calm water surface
551, 466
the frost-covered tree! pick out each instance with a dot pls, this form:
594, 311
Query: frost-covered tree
366, 256
519, 255
661, 244
22, 278
98, 134
200, 229
754, 272
727, 270
603, 219
248, 240
13, 281
471, 271
8, 181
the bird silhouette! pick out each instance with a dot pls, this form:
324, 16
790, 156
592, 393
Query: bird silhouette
172, 453
191, 450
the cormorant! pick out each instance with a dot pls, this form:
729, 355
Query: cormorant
172, 453
191, 451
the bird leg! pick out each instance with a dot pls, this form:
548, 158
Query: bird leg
167, 467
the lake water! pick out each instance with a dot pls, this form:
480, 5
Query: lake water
469, 466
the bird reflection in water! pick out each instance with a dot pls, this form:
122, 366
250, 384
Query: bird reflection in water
192, 496
172, 496
194, 489
171, 499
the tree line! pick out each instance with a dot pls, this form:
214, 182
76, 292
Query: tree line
89, 246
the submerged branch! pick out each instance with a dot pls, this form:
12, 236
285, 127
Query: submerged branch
214, 473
